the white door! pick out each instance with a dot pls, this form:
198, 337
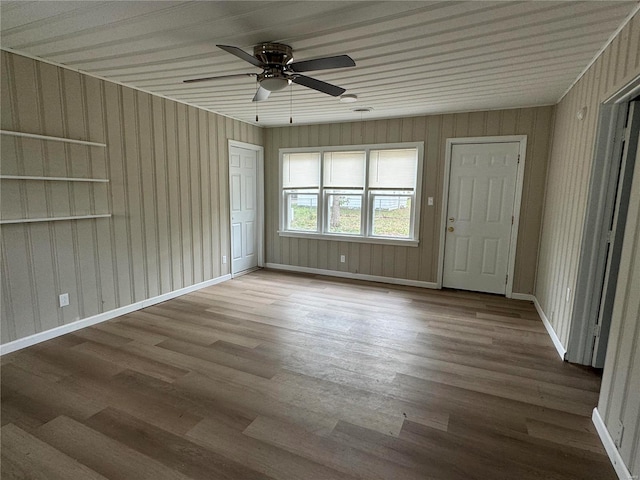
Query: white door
482, 187
243, 169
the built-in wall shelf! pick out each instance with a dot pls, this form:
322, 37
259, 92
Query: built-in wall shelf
54, 219
54, 179
53, 139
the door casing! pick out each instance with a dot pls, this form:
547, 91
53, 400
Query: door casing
612, 115
259, 200
522, 140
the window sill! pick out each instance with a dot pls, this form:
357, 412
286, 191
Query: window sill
347, 238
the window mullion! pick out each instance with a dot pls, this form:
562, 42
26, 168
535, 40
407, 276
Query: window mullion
412, 218
366, 208
321, 196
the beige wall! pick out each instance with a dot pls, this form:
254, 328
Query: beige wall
565, 203
413, 263
167, 163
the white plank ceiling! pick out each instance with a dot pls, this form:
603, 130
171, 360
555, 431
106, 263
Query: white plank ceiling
412, 58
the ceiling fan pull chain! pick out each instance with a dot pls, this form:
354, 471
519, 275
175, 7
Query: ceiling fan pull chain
257, 88
291, 103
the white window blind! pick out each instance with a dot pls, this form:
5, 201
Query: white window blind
344, 169
393, 168
301, 170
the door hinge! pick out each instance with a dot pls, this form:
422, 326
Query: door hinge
596, 330
506, 280
623, 135
610, 236
518, 159
511, 219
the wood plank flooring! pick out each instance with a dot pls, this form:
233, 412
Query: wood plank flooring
284, 376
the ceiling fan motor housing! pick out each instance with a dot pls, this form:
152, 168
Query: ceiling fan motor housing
275, 57
273, 53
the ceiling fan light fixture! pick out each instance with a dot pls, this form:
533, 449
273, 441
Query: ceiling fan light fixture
348, 98
274, 84
279, 71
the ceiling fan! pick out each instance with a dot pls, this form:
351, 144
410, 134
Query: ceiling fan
279, 69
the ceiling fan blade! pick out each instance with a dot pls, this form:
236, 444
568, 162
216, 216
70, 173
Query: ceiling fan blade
206, 79
318, 85
238, 52
261, 94
339, 61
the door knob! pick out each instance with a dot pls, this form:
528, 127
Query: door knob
451, 229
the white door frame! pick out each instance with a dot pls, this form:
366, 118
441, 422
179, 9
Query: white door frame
522, 140
259, 199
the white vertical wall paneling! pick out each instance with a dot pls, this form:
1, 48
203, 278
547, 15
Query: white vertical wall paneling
164, 161
205, 194
186, 254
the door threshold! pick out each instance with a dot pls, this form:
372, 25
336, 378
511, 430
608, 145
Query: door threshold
244, 272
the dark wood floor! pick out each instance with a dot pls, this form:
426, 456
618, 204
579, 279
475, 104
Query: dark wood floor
283, 376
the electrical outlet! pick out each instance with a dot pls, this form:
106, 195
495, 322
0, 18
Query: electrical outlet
64, 299
568, 293
343, 258
430, 201
224, 259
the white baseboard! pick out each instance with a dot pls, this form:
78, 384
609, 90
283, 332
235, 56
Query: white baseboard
523, 296
101, 317
552, 333
613, 453
354, 276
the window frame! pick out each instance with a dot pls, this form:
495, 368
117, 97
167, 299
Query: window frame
367, 197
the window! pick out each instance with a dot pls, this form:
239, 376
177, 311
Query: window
360, 193
301, 183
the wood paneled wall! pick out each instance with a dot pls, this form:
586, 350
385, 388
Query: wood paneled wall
561, 237
413, 263
168, 191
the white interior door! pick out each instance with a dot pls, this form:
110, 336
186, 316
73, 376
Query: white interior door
482, 187
243, 169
